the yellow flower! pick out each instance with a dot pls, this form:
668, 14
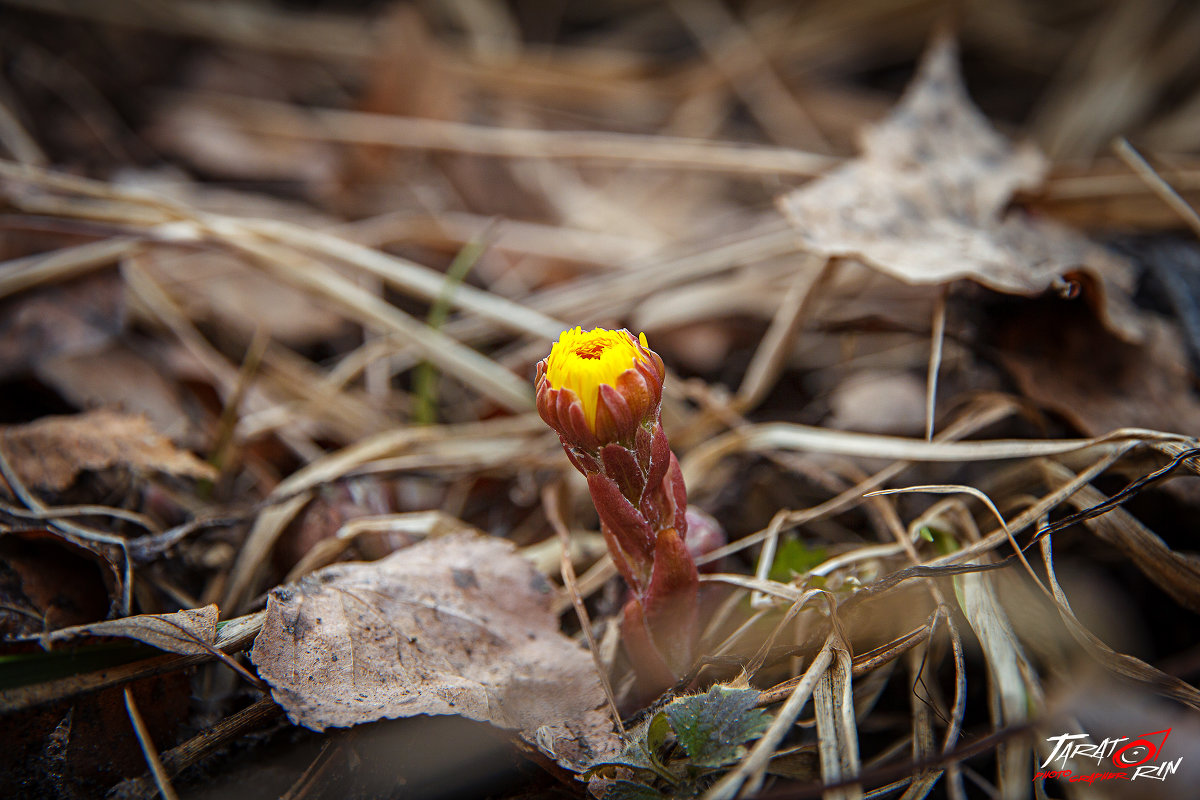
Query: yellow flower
607, 380
582, 361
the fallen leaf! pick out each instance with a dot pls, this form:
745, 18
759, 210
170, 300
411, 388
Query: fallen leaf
47, 582
50, 453
103, 377
219, 289
1063, 360
455, 625
58, 320
878, 401
187, 632
925, 202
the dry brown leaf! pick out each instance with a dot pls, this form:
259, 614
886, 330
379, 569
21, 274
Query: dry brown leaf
104, 377
1067, 363
194, 132
222, 290
925, 201
66, 319
455, 625
187, 632
50, 453
47, 582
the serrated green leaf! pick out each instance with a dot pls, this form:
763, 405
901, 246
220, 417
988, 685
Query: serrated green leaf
795, 558
713, 728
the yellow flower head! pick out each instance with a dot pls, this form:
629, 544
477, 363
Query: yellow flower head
584, 362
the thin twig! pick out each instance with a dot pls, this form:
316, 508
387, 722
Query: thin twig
148, 749
1157, 183
938, 338
550, 504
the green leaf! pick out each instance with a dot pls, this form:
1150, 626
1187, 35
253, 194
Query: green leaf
641, 750
713, 728
795, 558
656, 733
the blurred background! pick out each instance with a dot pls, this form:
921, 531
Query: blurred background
281, 229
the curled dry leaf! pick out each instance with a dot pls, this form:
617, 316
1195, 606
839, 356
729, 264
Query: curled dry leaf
925, 201
50, 453
455, 625
188, 632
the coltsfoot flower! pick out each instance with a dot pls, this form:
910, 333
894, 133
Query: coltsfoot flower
596, 387
601, 390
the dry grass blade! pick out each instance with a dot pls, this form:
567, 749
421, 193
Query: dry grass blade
786, 436
1014, 695
1036, 512
251, 26
253, 556
1177, 574
992, 412
662, 152
837, 730
237, 634
151, 752
230, 729
776, 344
413, 278
550, 503
938, 340
1157, 183
1120, 664
20, 274
13, 136
981, 496
923, 747
470, 367
734, 52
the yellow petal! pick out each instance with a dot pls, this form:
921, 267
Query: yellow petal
582, 361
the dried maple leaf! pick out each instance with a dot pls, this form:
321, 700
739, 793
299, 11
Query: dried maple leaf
459, 624
925, 202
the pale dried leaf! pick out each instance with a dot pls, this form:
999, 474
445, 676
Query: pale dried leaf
50, 453
104, 378
925, 201
219, 289
455, 625
879, 401
187, 632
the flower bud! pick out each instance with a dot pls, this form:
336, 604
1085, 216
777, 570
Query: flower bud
599, 387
